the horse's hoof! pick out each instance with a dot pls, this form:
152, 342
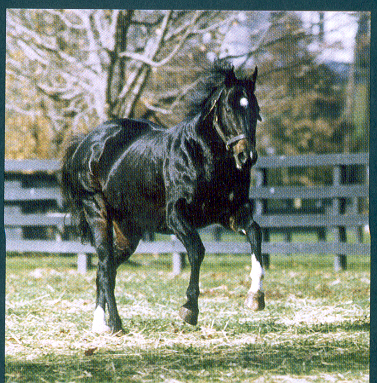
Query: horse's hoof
100, 328
116, 328
255, 301
189, 316
120, 332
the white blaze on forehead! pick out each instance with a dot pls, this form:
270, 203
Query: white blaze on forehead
244, 101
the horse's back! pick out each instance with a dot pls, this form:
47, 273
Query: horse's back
100, 148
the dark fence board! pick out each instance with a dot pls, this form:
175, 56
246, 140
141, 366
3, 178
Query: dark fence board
312, 160
18, 192
31, 166
304, 192
286, 221
47, 246
309, 220
263, 162
33, 194
74, 247
316, 248
58, 219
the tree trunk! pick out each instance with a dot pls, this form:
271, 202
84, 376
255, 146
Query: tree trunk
117, 66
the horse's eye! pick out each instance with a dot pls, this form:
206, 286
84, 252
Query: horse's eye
244, 102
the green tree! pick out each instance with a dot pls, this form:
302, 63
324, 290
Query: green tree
302, 101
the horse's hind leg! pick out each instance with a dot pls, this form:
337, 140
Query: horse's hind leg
102, 233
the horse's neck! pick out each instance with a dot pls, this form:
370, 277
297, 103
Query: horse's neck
208, 133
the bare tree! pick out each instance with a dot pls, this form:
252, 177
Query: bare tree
79, 67
69, 70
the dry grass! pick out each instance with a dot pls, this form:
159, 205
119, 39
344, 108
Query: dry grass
315, 327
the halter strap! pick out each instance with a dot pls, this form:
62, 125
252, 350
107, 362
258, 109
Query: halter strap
230, 141
234, 139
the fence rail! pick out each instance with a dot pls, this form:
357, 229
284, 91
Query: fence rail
74, 247
35, 219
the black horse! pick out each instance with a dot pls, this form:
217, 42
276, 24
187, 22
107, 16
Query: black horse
130, 176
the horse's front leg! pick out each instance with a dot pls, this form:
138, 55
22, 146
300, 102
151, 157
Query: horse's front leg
244, 223
186, 233
255, 297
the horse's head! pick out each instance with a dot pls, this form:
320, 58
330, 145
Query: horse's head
235, 114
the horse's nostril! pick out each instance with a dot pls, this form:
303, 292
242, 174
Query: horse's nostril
242, 157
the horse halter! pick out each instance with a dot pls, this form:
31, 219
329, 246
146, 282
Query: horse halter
228, 142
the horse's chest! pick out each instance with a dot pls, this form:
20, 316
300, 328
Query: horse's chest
217, 202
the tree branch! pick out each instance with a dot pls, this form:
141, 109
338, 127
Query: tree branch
149, 61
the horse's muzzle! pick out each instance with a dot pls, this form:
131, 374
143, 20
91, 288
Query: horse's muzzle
242, 153
241, 159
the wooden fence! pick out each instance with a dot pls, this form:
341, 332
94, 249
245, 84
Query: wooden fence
36, 221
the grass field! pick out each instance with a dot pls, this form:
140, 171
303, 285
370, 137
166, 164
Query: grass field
315, 327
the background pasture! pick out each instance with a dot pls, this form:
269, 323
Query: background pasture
316, 324
315, 327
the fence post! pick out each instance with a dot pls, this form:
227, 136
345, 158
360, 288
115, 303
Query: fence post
84, 263
359, 204
340, 261
14, 232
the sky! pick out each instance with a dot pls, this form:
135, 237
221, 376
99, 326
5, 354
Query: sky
340, 30
339, 34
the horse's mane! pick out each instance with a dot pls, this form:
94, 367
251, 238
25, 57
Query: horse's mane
220, 74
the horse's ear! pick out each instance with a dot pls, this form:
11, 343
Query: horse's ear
213, 100
254, 76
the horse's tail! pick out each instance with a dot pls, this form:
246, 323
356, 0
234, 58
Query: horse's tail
72, 189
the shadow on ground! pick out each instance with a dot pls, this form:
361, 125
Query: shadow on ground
193, 364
